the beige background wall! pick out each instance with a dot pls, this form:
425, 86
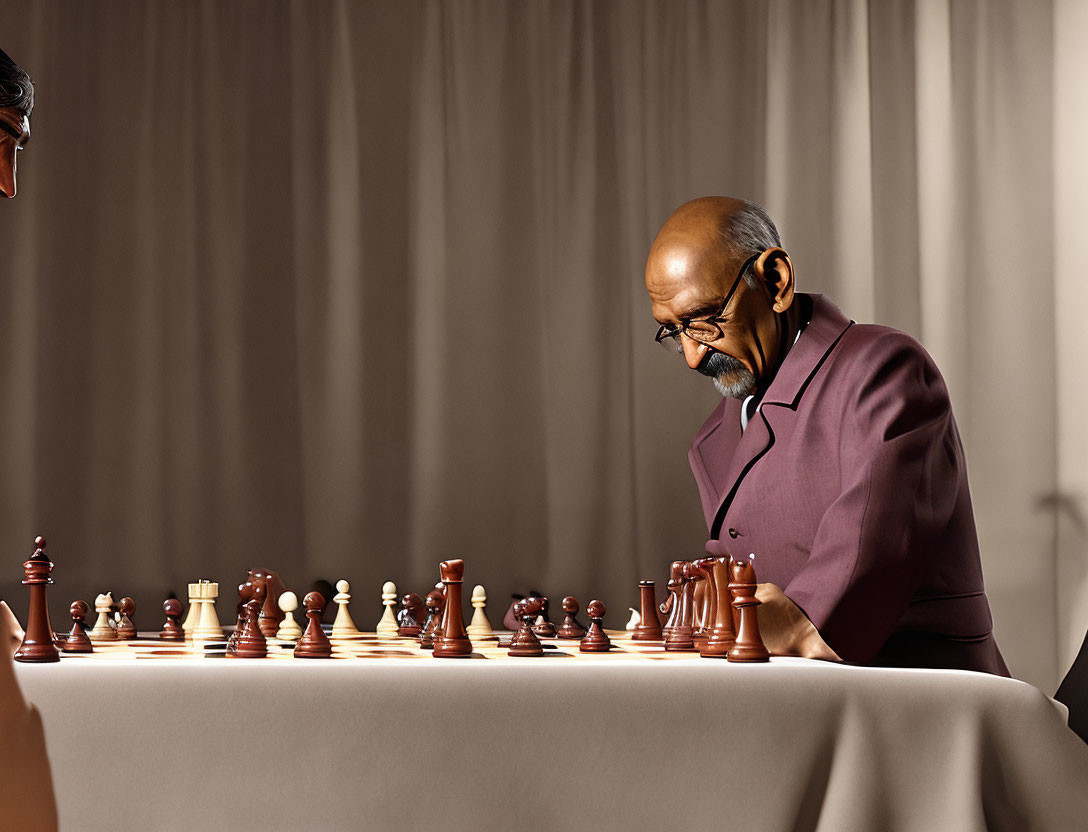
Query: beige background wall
346, 288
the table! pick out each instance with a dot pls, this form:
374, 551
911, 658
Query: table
629, 741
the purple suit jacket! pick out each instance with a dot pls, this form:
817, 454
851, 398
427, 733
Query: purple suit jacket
850, 488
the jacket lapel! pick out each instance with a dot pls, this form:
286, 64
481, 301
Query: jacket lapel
802, 363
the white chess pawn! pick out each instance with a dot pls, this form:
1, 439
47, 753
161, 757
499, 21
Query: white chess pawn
289, 629
634, 621
387, 625
207, 626
479, 627
103, 630
342, 625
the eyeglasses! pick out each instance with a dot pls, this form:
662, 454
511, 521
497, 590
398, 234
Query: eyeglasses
704, 330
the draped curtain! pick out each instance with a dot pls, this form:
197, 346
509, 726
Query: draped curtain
348, 288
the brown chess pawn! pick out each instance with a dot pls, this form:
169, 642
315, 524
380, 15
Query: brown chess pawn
672, 605
525, 642
749, 644
252, 643
649, 625
434, 606
543, 627
126, 629
37, 645
451, 640
679, 637
314, 644
595, 641
408, 619
570, 628
78, 641
721, 636
172, 629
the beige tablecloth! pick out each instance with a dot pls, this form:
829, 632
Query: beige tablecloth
553, 743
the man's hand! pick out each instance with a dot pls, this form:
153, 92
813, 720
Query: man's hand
11, 634
786, 630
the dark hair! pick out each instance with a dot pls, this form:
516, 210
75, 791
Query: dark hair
16, 88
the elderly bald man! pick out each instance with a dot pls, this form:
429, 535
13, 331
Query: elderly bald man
26, 799
833, 456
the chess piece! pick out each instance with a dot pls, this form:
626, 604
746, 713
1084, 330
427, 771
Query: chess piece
649, 625
408, 619
288, 629
721, 636
749, 644
679, 638
543, 626
433, 604
479, 627
314, 644
595, 641
672, 606
207, 623
193, 615
271, 615
524, 642
103, 630
252, 644
633, 621
78, 641
342, 625
570, 628
126, 629
172, 630
697, 571
246, 589
451, 640
387, 625
38, 643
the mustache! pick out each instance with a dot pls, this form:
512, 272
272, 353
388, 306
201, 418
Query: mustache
718, 363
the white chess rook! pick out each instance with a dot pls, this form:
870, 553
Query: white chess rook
207, 626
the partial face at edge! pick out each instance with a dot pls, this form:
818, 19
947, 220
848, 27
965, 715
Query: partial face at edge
14, 135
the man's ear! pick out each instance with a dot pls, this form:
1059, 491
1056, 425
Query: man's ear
774, 270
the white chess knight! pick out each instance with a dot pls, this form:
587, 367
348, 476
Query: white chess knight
342, 625
387, 625
289, 629
103, 630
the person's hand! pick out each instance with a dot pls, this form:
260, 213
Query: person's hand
786, 630
11, 634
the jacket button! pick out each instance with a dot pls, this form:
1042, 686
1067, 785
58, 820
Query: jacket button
733, 533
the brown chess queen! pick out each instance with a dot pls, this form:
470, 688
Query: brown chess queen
38, 645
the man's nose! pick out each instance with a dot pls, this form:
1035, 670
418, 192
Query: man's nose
694, 352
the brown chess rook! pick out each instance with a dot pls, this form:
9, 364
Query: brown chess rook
595, 641
649, 625
314, 644
570, 628
452, 641
172, 629
78, 641
679, 637
749, 645
38, 645
525, 642
721, 634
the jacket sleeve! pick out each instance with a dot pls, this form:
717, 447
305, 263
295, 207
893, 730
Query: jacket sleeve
901, 469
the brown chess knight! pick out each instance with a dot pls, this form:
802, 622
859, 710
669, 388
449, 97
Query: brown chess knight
27, 802
833, 456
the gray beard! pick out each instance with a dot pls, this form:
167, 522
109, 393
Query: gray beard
718, 365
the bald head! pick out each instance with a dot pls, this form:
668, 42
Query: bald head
693, 271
